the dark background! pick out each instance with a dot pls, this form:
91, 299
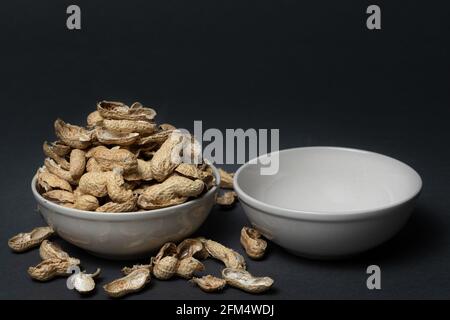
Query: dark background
310, 68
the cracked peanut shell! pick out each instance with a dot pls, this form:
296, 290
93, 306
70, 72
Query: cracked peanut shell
254, 246
243, 280
27, 240
73, 136
228, 256
49, 269
133, 282
209, 283
49, 250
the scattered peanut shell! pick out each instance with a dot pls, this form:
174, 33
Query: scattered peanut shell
49, 269
168, 249
227, 199
188, 266
133, 282
25, 241
83, 282
252, 243
165, 268
209, 283
191, 248
73, 136
226, 179
243, 280
50, 250
128, 270
228, 256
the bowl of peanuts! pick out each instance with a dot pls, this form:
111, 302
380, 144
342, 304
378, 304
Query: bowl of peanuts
122, 186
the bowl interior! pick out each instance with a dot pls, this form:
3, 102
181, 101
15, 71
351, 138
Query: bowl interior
330, 180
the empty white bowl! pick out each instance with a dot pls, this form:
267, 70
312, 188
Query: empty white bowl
126, 235
328, 202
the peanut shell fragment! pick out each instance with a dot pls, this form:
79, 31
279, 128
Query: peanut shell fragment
112, 207
73, 136
94, 183
191, 248
85, 201
49, 250
226, 179
109, 159
133, 282
190, 171
166, 159
120, 111
77, 163
243, 280
94, 119
252, 243
27, 240
227, 199
128, 270
209, 283
83, 282
174, 190
228, 256
56, 169
165, 268
48, 181
116, 138
129, 126
51, 152
59, 196
115, 187
188, 266
49, 269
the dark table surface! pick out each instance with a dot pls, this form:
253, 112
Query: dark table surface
309, 68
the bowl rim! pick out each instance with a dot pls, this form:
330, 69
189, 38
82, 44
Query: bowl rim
322, 215
122, 216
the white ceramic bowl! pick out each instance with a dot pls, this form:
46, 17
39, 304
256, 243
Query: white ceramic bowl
328, 202
126, 235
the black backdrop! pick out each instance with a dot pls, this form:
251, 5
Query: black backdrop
310, 68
